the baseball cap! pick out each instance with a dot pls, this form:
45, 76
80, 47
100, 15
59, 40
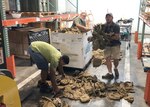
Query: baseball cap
109, 14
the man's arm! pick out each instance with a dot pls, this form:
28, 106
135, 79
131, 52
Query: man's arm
53, 78
60, 70
82, 28
116, 35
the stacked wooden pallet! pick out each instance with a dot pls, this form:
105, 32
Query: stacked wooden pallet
37, 14
146, 50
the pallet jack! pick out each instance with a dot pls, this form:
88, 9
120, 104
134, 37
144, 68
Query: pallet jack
9, 94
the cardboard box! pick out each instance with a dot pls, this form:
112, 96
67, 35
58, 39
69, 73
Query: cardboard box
19, 35
16, 49
19, 40
25, 49
12, 36
19, 49
12, 48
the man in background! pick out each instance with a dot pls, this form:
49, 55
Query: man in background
80, 23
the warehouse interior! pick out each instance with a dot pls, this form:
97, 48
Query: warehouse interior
26, 21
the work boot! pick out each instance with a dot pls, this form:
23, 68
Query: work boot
108, 76
45, 88
39, 82
116, 73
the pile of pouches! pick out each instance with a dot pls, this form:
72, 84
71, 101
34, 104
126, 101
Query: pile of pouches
84, 87
74, 30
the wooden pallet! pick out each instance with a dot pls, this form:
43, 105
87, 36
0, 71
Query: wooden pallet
36, 14
27, 57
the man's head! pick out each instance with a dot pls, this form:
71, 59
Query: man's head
64, 60
83, 15
109, 18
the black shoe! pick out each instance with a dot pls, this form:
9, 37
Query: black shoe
45, 88
108, 76
48, 78
116, 73
40, 82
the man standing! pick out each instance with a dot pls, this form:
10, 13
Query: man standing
112, 50
80, 23
42, 54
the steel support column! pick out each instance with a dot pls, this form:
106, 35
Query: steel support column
3, 29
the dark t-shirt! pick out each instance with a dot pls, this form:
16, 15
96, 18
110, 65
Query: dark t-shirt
113, 28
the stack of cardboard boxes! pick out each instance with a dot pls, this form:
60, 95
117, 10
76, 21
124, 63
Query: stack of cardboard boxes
19, 40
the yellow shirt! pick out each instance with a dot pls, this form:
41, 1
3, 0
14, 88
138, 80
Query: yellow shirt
50, 53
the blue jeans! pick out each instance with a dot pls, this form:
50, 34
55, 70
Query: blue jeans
38, 59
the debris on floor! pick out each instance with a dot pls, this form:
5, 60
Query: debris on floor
129, 98
85, 87
55, 102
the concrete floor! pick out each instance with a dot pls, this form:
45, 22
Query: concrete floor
134, 74
23, 69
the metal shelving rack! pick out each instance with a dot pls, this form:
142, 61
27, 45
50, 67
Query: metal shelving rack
144, 4
143, 17
142, 8
4, 44
11, 22
4, 23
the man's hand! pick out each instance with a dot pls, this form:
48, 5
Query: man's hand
83, 28
87, 29
107, 36
53, 79
62, 76
110, 34
115, 37
60, 70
